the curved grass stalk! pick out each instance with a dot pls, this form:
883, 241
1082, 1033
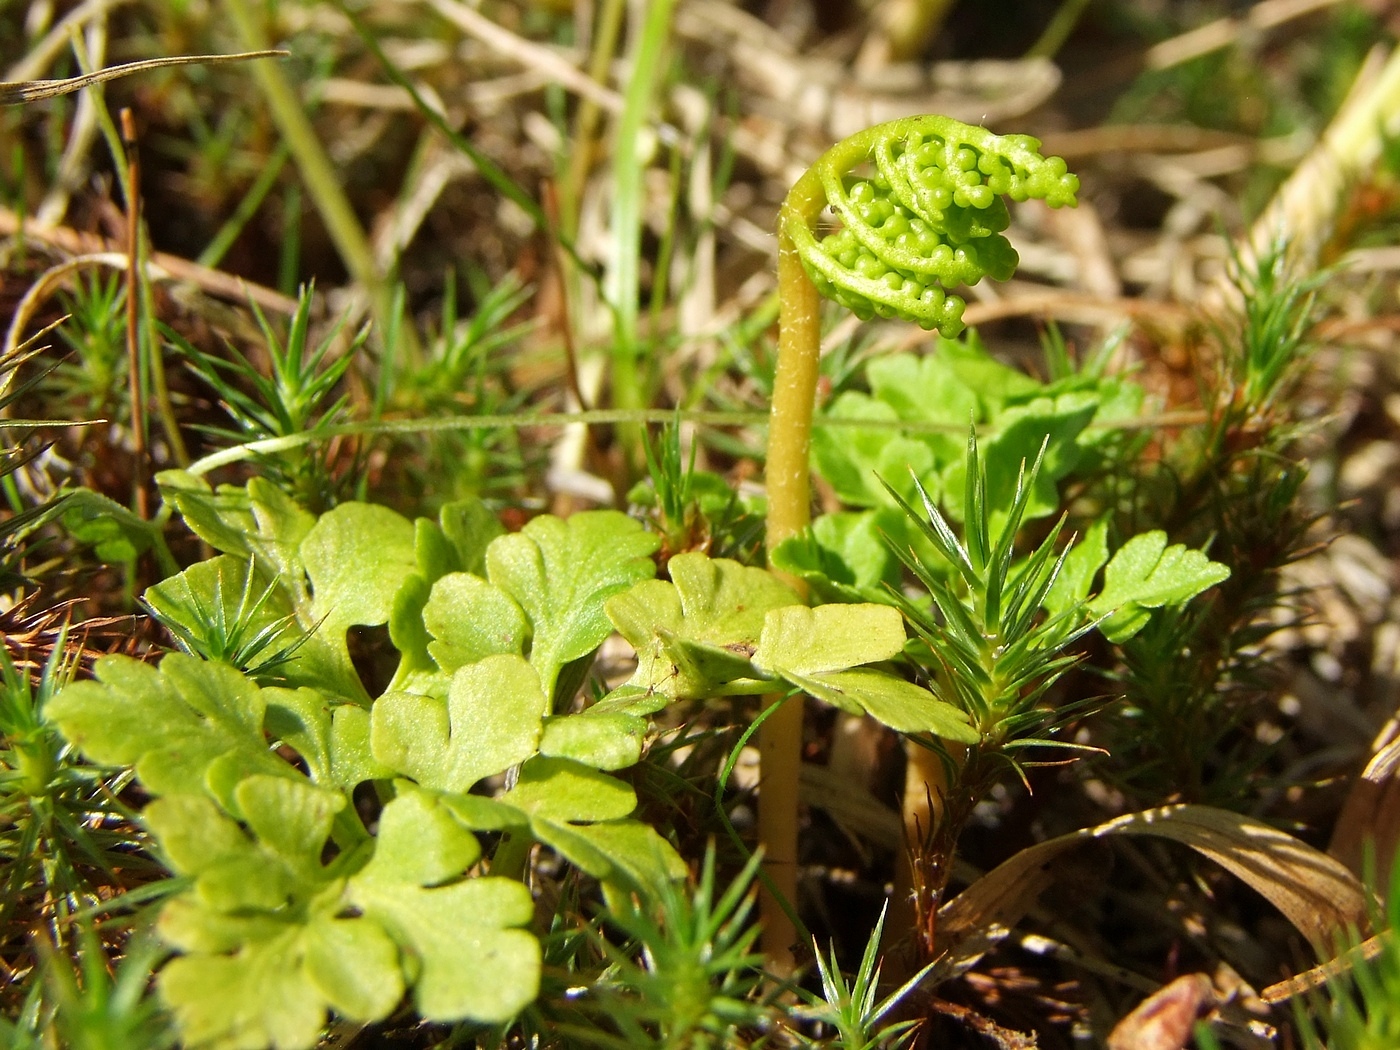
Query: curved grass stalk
927, 219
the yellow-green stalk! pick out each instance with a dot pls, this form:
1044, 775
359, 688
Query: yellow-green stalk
927, 219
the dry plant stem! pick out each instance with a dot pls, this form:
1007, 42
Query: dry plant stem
925, 795
529, 54
122, 144
140, 497
1224, 32
1319, 975
14, 93
1078, 308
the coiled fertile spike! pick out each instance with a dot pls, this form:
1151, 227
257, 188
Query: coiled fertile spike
929, 220
879, 232
926, 192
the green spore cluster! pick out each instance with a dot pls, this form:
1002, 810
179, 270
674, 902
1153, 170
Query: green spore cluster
928, 220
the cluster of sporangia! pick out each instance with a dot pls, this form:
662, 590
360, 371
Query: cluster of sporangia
928, 220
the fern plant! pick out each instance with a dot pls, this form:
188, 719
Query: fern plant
929, 218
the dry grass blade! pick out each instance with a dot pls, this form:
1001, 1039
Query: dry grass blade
528, 53
1327, 971
1370, 817
1316, 893
1225, 32
20, 92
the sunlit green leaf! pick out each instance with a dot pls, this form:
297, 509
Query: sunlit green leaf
901, 705
603, 740
357, 556
173, 723
492, 720
803, 641
469, 619
563, 790
698, 631
246, 947
561, 573
1147, 574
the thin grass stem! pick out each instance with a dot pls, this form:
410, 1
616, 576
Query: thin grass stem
624, 274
